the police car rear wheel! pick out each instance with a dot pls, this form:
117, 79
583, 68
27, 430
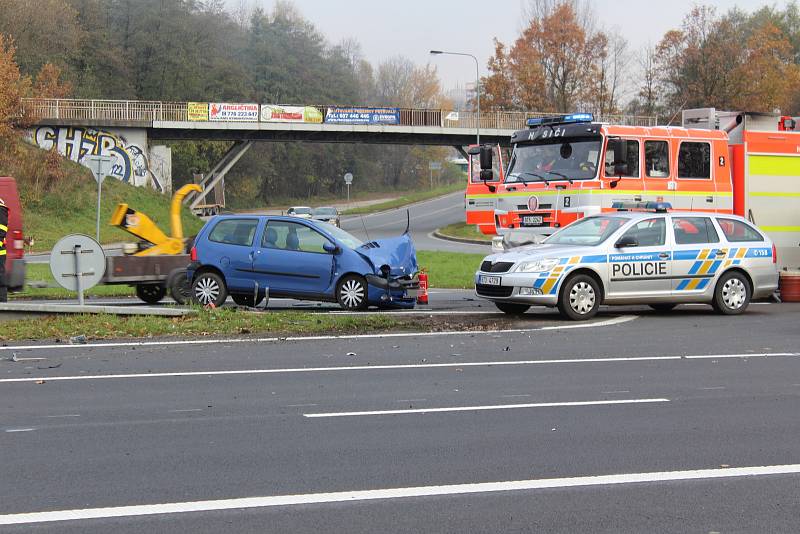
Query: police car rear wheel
511, 308
580, 298
732, 294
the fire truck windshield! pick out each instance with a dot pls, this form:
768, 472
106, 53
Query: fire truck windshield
555, 160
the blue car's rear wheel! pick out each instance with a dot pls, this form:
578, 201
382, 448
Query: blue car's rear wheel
352, 292
208, 289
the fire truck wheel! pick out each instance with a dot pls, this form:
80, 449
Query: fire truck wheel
732, 294
208, 289
510, 308
579, 298
151, 293
179, 287
352, 292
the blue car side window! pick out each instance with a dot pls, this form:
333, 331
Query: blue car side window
287, 235
234, 232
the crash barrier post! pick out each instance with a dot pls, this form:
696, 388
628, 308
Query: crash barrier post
422, 298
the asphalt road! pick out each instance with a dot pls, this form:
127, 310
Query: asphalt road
426, 217
685, 422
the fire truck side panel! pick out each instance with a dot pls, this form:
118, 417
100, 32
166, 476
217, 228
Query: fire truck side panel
772, 189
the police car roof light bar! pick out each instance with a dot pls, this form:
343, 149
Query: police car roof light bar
658, 207
560, 119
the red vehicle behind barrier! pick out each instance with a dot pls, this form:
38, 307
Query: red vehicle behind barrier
15, 242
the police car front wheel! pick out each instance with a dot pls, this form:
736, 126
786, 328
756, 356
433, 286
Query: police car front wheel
732, 294
580, 298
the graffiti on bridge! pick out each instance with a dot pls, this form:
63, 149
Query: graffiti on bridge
75, 143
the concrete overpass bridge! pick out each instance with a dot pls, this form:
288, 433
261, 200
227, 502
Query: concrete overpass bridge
133, 130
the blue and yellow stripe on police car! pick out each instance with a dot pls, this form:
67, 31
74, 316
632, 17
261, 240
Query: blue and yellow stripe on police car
548, 281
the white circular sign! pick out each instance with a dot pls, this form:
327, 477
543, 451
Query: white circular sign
91, 262
533, 203
348, 178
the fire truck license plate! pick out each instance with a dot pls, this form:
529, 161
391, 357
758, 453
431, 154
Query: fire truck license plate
490, 280
532, 220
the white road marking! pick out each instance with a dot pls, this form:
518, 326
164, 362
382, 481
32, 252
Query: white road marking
420, 312
29, 359
65, 415
10, 430
186, 410
608, 322
484, 408
411, 400
395, 493
620, 391
403, 366
715, 387
519, 395
301, 405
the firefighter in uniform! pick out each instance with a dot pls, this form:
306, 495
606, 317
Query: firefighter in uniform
3, 232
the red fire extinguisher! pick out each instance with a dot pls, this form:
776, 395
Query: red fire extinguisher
422, 298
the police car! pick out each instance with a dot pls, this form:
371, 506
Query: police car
652, 257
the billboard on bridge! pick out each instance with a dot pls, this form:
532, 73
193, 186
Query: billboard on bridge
197, 111
363, 116
233, 112
274, 113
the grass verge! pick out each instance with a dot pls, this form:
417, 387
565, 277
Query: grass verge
451, 270
219, 322
408, 198
40, 272
464, 231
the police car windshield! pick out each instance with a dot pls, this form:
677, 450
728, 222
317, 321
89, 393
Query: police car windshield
554, 160
587, 232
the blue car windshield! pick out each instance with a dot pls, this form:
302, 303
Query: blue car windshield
589, 232
348, 239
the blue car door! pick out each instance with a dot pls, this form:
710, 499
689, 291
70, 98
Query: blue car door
232, 244
292, 261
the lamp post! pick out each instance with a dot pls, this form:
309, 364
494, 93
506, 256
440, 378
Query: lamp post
477, 86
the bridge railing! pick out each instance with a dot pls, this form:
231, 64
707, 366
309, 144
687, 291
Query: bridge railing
149, 111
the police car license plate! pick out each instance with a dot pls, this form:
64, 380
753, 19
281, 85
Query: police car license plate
532, 220
490, 280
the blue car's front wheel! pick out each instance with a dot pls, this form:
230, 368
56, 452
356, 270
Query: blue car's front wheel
208, 289
352, 292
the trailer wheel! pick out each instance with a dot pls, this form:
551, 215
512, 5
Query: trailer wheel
180, 289
151, 293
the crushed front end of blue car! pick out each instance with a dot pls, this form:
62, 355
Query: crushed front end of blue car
394, 282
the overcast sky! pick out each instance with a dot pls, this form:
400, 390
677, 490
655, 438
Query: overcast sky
413, 27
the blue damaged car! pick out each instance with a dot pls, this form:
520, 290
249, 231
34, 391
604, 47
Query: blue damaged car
248, 257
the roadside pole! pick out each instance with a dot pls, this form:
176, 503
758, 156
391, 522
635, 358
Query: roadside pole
348, 179
100, 167
434, 166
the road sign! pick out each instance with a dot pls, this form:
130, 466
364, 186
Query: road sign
348, 178
77, 263
435, 165
101, 167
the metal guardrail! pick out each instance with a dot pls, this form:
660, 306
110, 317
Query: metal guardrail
149, 111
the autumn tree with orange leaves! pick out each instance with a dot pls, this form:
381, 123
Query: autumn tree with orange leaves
559, 63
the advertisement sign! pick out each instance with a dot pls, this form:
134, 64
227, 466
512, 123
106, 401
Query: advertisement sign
197, 111
233, 112
273, 113
363, 116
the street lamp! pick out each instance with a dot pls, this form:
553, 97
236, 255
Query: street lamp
477, 86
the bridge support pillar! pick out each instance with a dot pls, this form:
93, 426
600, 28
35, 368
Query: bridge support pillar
219, 171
